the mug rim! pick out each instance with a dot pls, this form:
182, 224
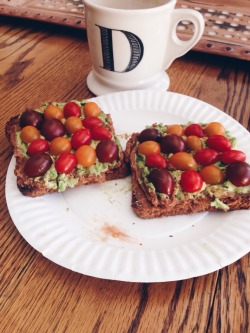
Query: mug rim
96, 5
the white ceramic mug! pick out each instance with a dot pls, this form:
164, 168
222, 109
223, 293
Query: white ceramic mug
133, 42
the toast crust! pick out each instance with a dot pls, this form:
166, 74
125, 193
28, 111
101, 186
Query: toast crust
36, 187
146, 204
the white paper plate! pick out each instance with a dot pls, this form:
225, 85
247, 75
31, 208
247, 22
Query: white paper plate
93, 230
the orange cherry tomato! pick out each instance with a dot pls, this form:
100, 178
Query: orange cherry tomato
73, 124
175, 129
183, 161
214, 128
86, 156
212, 175
149, 147
193, 143
53, 111
91, 109
59, 145
29, 133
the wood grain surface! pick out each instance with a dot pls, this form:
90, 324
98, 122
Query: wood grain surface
39, 63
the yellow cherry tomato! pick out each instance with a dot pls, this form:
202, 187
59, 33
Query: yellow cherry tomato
53, 111
59, 145
212, 175
29, 133
214, 128
72, 124
175, 129
86, 156
193, 143
91, 109
183, 161
149, 147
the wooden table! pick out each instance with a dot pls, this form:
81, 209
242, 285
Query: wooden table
40, 62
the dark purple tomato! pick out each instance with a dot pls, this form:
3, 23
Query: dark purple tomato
172, 143
107, 151
52, 128
238, 173
37, 165
32, 118
149, 134
162, 181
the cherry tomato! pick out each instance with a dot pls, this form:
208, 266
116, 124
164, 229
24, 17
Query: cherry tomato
212, 175
194, 129
86, 156
60, 145
219, 142
51, 128
53, 111
91, 109
162, 181
72, 124
156, 160
231, 156
38, 146
193, 143
149, 134
172, 143
183, 161
81, 137
149, 147
100, 133
32, 118
191, 181
214, 128
91, 122
65, 163
71, 109
206, 156
175, 129
238, 173
107, 151
29, 134
37, 165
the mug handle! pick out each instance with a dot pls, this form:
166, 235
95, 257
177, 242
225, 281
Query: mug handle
178, 47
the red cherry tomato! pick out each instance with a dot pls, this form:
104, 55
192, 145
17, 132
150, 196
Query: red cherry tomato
72, 109
91, 122
194, 129
38, 146
65, 163
156, 160
231, 156
206, 156
81, 137
100, 133
219, 143
191, 181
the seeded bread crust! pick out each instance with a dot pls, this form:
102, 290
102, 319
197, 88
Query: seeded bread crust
34, 188
146, 204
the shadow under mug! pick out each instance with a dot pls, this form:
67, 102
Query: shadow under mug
133, 42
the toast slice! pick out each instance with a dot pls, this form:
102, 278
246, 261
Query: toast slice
152, 198
34, 179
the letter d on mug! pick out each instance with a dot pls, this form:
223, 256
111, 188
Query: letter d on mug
133, 42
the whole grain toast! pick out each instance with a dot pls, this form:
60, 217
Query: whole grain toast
148, 203
37, 186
